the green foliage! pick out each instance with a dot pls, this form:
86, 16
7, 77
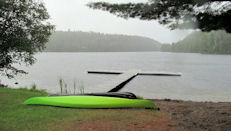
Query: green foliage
216, 42
24, 30
61, 41
205, 15
2, 2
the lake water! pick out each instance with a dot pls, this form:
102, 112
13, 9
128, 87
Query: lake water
204, 77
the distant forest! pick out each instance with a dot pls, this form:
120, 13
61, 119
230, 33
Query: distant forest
215, 42
77, 41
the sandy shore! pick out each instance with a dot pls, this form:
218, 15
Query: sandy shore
196, 116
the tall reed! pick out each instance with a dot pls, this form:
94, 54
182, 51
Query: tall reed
65, 85
81, 88
33, 87
76, 89
61, 85
74, 86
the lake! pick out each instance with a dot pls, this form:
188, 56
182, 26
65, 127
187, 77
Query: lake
204, 77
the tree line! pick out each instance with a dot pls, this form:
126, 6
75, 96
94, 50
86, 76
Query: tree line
77, 41
215, 42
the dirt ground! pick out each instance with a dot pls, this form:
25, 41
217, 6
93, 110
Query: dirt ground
174, 115
197, 116
122, 120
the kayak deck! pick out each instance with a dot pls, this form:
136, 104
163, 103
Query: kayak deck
128, 95
88, 101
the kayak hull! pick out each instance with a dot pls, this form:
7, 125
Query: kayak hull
93, 102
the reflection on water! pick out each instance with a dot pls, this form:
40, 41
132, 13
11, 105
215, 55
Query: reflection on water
204, 77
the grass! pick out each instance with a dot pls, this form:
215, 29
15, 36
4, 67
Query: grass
14, 115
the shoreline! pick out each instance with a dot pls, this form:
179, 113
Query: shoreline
197, 115
173, 114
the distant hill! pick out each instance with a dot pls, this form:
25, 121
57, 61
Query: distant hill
215, 42
78, 41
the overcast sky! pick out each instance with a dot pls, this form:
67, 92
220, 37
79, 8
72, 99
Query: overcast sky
76, 16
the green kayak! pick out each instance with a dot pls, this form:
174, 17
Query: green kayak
91, 101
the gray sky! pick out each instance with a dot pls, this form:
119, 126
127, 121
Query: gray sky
76, 16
